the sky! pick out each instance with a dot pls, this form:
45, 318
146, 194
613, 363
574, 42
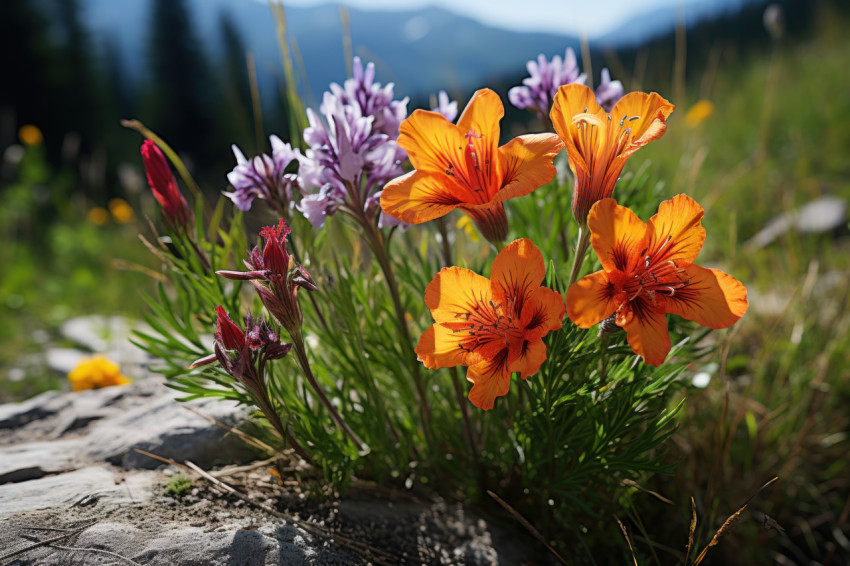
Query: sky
574, 17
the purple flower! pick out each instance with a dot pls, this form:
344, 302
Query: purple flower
538, 90
608, 92
263, 177
372, 99
353, 151
446, 107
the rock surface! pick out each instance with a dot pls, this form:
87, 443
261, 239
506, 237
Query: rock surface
73, 491
822, 215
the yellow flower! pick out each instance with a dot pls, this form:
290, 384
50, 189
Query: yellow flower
699, 113
98, 216
96, 372
121, 211
30, 135
465, 223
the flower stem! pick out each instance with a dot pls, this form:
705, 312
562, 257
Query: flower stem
265, 407
461, 399
376, 241
304, 364
581, 249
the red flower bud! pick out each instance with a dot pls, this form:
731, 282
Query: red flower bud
274, 253
229, 335
164, 185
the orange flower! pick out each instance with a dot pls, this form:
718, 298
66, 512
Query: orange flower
495, 326
648, 271
599, 144
461, 166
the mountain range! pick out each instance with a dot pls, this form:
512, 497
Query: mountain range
421, 51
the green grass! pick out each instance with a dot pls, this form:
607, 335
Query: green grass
779, 137
57, 265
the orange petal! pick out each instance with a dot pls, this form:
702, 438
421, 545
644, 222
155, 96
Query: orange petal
431, 141
646, 331
419, 196
530, 359
711, 298
517, 271
646, 116
617, 235
544, 311
454, 291
675, 232
590, 300
439, 347
570, 101
482, 114
490, 379
527, 164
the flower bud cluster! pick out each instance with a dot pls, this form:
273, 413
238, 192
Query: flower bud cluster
254, 346
276, 277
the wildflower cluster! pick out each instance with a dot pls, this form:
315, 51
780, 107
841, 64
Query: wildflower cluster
538, 90
352, 148
264, 177
347, 391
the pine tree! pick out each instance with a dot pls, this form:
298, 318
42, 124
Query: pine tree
179, 89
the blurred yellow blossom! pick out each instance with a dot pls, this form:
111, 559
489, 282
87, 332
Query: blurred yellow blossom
98, 216
30, 135
96, 372
468, 226
121, 211
699, 113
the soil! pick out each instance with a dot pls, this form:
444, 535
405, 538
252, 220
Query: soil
273, 522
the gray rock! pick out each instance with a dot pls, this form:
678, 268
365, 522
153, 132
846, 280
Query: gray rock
102, 484
822, 215
109, 336
63, 360
24, 462
106, 425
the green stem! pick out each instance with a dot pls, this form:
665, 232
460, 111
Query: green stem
265, 407
581, 249
379, 247
304, 364
461, 398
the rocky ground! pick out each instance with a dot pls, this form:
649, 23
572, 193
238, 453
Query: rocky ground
75, 490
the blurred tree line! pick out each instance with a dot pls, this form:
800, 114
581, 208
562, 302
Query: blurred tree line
76, 92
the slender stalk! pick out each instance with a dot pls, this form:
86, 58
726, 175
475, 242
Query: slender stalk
304, 364
582, 244
376, 241
265, 407
461, 399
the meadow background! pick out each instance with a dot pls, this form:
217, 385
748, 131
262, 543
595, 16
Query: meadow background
75, 200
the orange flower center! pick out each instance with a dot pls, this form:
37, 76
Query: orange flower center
654, 273
474, 174
488, 324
